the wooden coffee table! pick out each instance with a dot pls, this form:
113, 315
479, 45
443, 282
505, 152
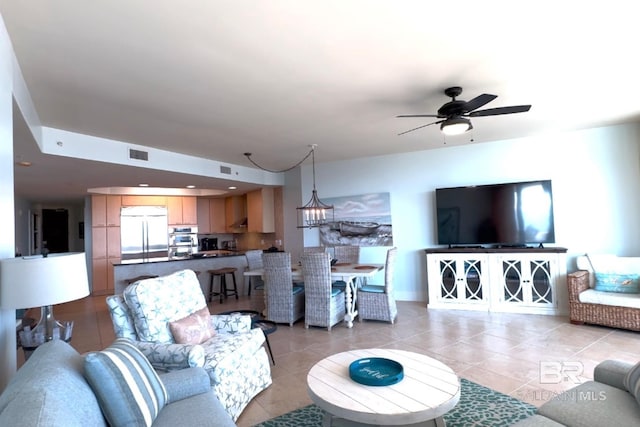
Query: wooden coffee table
428, 390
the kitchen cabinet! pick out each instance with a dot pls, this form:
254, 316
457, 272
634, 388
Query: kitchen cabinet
217, 215
105, 211
144, 200
235, 208
105, 251
114, 203
260, 211
204, 222
182, 210
99, 210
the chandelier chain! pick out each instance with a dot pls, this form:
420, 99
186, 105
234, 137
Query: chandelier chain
313, 147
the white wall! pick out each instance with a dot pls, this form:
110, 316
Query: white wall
596, 187
7, 242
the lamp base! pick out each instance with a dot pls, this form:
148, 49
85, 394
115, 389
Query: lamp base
47, 329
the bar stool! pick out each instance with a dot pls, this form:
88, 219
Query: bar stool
224, 290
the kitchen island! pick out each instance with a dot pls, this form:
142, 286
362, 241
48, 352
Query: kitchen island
162, 266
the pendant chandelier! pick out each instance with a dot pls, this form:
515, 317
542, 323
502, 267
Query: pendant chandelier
314, 213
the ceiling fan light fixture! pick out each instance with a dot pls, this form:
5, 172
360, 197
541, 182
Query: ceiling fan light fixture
456, 126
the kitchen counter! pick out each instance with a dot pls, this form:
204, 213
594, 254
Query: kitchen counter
162, 266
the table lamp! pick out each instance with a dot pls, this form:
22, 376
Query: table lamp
38, 281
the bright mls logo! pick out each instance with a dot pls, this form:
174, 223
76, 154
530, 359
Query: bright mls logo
552, 372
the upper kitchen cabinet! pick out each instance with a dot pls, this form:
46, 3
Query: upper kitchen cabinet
260, 208
211, 216
235, 208
182, 210
204, 223
144, 200
105, 211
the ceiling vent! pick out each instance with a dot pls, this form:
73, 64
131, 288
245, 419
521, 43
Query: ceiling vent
225, 169
138, 155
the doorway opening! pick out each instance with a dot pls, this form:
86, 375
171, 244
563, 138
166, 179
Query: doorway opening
55, 230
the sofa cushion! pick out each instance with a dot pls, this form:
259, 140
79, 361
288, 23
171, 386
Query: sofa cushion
154, 303
193, 329
632, 381
592, 404
128, 389
50, 390
617, 282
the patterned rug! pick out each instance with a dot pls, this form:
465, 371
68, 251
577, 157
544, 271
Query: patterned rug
478, 407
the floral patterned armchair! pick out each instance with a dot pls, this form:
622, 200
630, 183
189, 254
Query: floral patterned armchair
234, 357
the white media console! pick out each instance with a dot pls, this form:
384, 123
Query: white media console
517, 280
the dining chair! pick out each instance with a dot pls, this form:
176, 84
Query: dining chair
313, 249
345, 254
376, 302
324, 304
285, 301
254, 262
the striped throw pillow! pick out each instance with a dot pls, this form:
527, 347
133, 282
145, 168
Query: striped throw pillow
127, 387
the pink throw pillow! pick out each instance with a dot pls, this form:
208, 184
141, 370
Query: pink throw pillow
193, 329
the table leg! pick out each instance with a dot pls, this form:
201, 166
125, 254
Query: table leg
350, 302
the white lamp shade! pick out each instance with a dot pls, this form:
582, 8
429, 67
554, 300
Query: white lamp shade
38, 281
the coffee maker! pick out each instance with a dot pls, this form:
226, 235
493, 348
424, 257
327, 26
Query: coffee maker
209, 244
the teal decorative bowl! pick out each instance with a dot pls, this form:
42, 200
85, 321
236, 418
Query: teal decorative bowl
376, 371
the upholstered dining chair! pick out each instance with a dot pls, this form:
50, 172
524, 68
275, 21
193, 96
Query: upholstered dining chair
285, 302
324, 304
376, 302
254, 262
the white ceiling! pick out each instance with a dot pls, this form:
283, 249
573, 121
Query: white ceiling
216, 79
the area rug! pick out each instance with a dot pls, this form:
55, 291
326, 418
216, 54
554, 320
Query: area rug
478, 407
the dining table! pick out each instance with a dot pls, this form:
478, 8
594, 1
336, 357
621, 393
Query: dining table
346, 272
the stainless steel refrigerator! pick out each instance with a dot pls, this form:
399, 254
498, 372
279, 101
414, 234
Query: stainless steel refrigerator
143, 232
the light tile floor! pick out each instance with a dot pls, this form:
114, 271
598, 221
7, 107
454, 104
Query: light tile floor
500, 351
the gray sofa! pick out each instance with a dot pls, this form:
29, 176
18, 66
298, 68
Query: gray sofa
50, 390
604, 401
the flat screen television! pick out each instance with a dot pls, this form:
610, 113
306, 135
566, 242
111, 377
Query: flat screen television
511, 215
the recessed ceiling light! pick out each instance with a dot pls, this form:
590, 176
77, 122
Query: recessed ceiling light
191, 186
143, 185
24, 163
233, 188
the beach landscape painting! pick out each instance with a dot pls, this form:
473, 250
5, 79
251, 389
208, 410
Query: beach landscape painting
361, 220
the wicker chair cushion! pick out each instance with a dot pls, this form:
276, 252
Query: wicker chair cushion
613, 273
372, 288
591, 296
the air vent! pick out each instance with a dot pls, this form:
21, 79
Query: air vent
225, 170
138, 155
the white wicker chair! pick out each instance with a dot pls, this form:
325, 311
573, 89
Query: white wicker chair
377, 302
347, 253
324, 305
313, 249
254, 262
285, 302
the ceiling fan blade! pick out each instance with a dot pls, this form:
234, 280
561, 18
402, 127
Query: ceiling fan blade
420, 127
479, 101
419, 115
500, 110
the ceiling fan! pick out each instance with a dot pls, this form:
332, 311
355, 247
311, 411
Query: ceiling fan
454, 113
